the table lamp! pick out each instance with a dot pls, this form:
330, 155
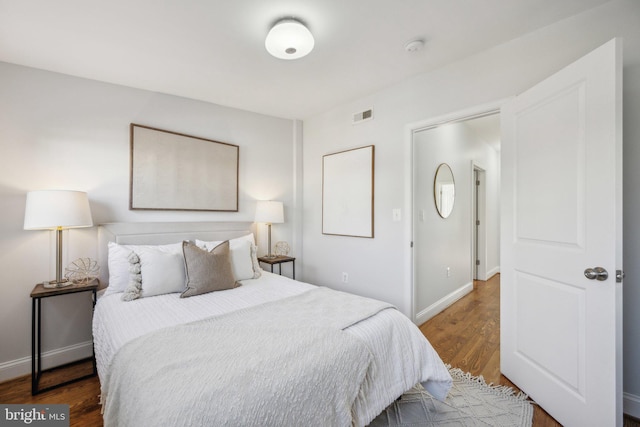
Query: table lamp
269, 212
57, 210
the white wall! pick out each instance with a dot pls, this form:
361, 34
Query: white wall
377, 267
59, 131
442, 244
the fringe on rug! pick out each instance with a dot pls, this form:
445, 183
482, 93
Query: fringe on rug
502, 390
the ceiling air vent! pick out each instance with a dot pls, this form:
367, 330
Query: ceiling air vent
362, 116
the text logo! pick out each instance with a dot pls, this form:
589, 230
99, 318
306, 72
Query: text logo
34, 415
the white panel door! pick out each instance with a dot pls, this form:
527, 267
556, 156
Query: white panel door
561, 333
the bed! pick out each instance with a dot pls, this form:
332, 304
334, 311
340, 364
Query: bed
266, 350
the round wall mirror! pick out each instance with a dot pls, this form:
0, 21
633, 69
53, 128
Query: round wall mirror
444, 190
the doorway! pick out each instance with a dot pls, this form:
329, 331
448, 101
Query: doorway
446, 250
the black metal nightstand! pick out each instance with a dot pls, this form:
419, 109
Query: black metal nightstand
280, 259
37, 294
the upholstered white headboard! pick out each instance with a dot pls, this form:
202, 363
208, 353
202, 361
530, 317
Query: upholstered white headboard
160, 233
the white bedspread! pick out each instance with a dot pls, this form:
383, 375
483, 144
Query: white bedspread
402, 357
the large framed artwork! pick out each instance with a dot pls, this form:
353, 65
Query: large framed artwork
174, 171
347, 192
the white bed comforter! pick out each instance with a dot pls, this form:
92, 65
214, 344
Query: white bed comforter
401, 356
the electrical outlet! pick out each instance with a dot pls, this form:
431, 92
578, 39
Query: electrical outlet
345, 277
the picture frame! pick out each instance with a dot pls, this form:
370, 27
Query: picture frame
175, 171
348, 192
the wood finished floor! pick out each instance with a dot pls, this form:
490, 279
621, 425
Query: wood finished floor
81, 396
466, 335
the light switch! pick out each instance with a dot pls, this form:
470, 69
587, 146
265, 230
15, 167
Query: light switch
397, 215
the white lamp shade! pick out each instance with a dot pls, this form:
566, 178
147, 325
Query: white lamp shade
52, 209
289, 39
269, 211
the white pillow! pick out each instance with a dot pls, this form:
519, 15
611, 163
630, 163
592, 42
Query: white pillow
134, 290
118, 263
244, 261
257, 270
162, 271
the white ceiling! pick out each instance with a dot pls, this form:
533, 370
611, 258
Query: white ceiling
213, 50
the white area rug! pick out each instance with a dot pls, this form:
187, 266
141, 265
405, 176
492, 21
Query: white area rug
471, 402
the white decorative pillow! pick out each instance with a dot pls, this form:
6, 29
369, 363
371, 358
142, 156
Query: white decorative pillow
241, 264
162, 271
134, 290
118, 262
244, 260
257, 270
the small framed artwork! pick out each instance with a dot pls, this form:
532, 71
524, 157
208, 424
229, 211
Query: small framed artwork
174, 171
347, 192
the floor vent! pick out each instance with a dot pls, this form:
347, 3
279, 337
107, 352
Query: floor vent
362, 116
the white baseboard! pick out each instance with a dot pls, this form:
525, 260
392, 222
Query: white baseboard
493, 272
631, 404
19, 367
443, 303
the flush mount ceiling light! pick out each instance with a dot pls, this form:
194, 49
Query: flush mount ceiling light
289, 39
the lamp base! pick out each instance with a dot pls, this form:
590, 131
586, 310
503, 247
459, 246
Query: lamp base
57, 284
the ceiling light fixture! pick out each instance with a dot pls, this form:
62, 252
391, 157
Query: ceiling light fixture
289, 39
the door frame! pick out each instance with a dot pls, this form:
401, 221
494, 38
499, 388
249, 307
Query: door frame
478, 213
410, 129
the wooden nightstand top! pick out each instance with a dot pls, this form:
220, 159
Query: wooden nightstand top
276, 259
39, 291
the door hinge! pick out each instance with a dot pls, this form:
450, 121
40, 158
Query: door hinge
411, 244
477, 262
478, 222
478, 182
